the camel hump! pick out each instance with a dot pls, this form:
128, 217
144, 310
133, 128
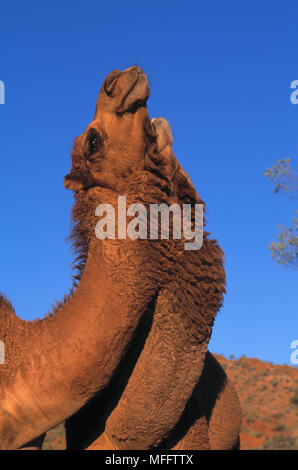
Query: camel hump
163, 132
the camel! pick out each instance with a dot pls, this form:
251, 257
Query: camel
99, 175
55, 365
147, 409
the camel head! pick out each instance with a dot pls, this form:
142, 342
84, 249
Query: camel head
113, 145
116, 155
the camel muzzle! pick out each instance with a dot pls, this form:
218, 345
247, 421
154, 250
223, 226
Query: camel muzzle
123, 91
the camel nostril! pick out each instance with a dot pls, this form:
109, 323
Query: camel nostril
110, 82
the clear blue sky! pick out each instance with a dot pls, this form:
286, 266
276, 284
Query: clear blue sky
220, 72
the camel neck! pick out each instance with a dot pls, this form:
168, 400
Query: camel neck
71, 355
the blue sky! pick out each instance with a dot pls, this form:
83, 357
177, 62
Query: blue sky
220, 72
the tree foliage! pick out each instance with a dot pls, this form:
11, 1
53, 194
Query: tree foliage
285, 179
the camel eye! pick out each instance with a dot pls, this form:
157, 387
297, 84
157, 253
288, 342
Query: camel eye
93, 146
93, 143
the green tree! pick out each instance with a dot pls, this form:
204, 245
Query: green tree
285, 179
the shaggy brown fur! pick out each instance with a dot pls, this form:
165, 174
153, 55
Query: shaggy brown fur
170, 362
55, 365
214, 396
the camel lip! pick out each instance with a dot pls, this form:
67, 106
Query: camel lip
141, 81
140, 76
132, 92
109, 83
131, 87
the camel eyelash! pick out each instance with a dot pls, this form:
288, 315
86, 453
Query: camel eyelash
93, 142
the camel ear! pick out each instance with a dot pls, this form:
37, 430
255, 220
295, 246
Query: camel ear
72, 182
163, 133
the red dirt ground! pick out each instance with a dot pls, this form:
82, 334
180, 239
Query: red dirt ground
269, 399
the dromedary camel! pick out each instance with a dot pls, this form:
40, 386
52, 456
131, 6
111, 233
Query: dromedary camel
82, 232
55, 365
164, 371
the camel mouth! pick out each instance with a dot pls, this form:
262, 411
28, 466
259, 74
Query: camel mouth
123, 92
138, 92
110, 83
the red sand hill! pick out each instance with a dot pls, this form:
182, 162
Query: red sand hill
269, 399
